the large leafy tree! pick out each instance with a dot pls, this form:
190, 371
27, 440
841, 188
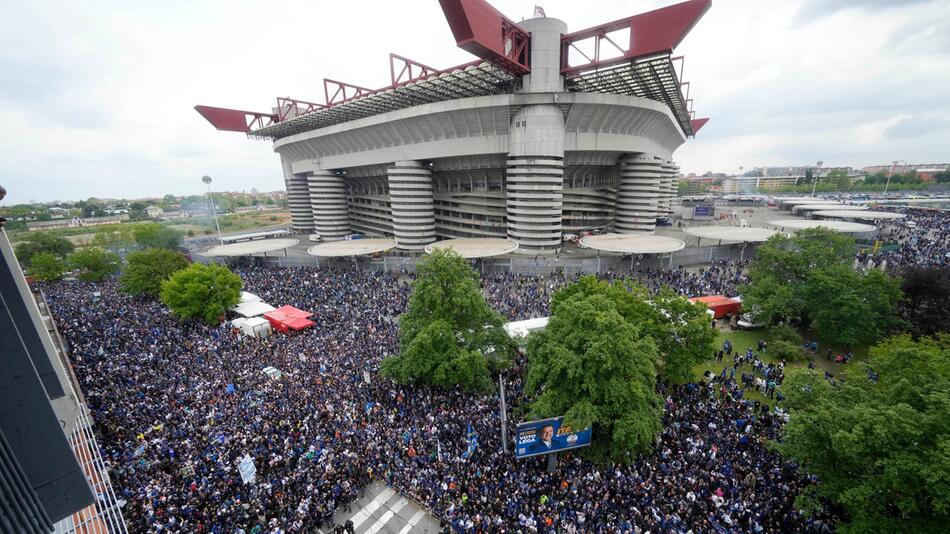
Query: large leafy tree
851, 308
784, 264
154, 235
448, 335
926, 307
94, 264
47, 266
879, 441
147, 269
200, 291
39, 242
594, 367
680, 329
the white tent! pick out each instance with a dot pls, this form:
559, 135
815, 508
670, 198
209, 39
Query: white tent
273, 372
523, 328
248, 297
252, 308
239, 322
256, 327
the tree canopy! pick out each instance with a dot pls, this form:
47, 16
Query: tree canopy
39, 242
47, 267
94, 264
111, 236
808, 279
880, 439
147, 269
154, 235
595, 367
680, 329
448, 335
200, 291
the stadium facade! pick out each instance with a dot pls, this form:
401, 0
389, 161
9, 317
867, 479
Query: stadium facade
547, 133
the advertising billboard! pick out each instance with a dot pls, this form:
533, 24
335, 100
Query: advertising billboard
703, 212
534, 438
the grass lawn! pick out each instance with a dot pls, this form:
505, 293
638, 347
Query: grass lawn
743, 339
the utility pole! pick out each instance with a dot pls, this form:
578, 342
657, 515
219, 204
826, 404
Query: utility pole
207, 180
817, 176
504, 412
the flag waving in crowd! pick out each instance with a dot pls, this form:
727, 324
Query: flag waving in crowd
472, 440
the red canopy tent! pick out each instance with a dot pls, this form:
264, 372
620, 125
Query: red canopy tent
720, 305
287, 318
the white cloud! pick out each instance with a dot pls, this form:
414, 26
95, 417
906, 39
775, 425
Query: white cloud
96, 96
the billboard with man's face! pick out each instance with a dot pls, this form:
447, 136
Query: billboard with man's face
534, 438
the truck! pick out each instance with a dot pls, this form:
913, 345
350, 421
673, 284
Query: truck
720, 305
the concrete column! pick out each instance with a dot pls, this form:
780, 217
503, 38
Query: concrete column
535, 179
545, 74
331, 219
410, 198
638, 194
667, 189
298, 199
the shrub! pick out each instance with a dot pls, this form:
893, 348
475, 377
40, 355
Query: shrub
784, 332
783, 350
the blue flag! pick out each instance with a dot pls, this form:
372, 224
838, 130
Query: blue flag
472, 439
229, 389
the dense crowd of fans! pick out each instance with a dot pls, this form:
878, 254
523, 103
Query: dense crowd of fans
179, 404
923, 243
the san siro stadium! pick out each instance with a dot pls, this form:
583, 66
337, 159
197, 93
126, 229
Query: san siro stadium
546, 133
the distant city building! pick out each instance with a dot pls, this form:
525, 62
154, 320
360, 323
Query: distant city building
154, 212
57, 212
796, 170
757, 184
76, 222
928, 169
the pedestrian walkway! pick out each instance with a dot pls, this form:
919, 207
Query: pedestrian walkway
383, 510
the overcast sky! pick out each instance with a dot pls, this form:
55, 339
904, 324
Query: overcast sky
96, 96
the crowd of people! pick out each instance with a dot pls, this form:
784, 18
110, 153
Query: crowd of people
179, 404
922, 239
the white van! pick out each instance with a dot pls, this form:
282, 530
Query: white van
315, 237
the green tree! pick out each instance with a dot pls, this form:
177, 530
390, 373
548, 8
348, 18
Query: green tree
880, 445
47, 267
154, 235
137, 211
94, 264
783, 265
112, 236
680, 329
448, 335
147, 269
851, 308
38, 242
200, 291
596, 368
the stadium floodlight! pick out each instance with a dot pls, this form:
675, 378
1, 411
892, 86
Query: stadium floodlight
207, 180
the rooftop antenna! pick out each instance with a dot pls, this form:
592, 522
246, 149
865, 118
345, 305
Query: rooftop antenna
539, 12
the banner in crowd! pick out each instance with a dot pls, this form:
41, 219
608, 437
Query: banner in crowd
471, 439
534, 438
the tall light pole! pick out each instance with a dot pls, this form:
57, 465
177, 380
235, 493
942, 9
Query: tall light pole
207, 180
815, 183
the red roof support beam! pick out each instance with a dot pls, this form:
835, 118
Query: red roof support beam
342, 91
233, 120
482, 30
654, 32
408, 70
299, 107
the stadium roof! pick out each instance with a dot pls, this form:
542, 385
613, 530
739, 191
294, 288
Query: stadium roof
484, 247
247, 248
862, 215
837, 226
638, 64
739, 234
355, 247
633, 243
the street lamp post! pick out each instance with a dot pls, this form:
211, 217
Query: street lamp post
207, 180
817, 176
